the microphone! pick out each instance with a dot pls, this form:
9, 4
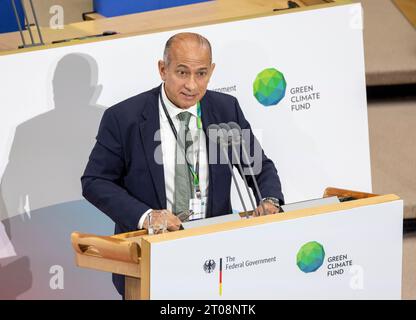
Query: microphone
231, 134
234, 139
237, 136
222, 139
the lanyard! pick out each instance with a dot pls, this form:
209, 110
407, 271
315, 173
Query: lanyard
194, 172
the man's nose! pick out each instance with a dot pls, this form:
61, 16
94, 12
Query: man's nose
191, 84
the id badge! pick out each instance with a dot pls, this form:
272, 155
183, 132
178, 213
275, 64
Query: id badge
197, 207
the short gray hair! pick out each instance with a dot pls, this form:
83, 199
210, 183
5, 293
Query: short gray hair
181, 37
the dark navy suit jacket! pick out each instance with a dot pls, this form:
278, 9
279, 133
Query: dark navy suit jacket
122, 178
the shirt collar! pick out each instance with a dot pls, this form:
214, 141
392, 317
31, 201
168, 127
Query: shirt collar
174, 110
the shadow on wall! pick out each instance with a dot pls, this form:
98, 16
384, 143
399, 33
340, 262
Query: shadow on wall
40, 192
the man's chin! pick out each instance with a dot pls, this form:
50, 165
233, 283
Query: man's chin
187, 104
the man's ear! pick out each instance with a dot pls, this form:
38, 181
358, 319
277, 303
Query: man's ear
212, 69
162, 69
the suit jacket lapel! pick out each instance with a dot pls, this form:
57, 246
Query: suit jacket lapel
148, 127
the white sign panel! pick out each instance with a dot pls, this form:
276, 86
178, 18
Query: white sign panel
317, 134
349, 254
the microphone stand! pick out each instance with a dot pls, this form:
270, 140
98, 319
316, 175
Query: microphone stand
234, 141
223, 143
238, 135
225, 151
256, 186
19, 24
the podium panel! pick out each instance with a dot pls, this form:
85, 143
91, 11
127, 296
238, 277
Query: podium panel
346, 250
347, 254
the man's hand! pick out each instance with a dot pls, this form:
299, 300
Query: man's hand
158, 216
268, 206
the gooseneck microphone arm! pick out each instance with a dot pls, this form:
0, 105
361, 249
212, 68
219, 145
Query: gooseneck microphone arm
230, 166
244, 176
234, 138
236, 132
222, 141
256, 186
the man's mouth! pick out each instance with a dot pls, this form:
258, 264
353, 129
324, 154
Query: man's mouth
188, 96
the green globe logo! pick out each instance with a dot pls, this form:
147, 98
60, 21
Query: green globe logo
269, 87
310, 257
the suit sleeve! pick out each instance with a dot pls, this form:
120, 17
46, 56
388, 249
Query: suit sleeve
263, 168
102, 182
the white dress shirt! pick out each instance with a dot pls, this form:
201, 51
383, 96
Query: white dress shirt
168, 142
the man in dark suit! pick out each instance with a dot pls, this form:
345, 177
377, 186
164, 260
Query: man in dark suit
133, 170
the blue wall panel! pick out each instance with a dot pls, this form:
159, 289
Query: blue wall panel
7, 18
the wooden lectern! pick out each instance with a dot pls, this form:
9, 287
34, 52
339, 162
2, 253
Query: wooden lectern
351, 249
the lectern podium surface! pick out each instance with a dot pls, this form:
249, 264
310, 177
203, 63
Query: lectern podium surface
349, 250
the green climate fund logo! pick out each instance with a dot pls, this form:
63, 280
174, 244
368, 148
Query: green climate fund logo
269, 87
310, 257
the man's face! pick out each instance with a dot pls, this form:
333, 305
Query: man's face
187, 75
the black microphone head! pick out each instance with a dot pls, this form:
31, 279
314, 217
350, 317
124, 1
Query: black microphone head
224, 137
235, 126
224, 126
235, 133
226, 134
218, 134
213, 133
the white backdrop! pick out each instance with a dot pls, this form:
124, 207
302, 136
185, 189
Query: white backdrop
51, 102
325, 145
